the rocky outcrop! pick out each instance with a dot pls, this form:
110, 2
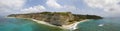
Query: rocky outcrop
55, 18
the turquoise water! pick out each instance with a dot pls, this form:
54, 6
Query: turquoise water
14, 24
107, 25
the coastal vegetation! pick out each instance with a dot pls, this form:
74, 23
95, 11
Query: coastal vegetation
56, 18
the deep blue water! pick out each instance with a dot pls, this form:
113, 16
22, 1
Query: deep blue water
14, 24
107, 25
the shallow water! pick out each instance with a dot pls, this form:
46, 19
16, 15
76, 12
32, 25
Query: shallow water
14, 24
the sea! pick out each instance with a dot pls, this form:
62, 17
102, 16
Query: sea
17, 24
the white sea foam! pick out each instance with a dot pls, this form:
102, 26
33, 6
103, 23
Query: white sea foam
73, 26
101, 25
70, 27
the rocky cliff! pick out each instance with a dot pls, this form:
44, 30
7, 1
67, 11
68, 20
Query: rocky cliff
56, 18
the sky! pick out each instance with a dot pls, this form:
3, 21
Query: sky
104, 8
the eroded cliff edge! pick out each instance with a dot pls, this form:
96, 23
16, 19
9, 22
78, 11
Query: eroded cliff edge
56, 18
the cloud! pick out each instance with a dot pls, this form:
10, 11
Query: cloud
53, 3
10, 6
58, 7
109, 6
69, 8
34, 9
17, 6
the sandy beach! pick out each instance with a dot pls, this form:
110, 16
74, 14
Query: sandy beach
42, 22
70, 27
73, 26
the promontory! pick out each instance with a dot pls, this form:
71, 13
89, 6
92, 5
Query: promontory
56, 18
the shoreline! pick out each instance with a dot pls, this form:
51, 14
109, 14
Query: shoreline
69, 27
42, 22
74, 25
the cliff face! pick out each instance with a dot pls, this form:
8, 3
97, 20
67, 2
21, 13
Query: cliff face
54, 18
